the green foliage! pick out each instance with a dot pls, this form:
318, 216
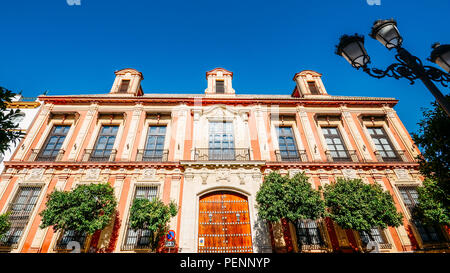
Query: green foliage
431, 209
434, 139
292, 198
8, 130
152, 215
5, 224
86, 209
358, 206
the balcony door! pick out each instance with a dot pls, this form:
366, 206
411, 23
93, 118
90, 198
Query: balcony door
53, 143
221, 141
335, 144
382, 143
105, 143
286, 142
154, 147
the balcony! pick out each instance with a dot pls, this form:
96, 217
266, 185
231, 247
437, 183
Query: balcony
97, 155
152, 155
342, 156
43, 155
291, 155
222, 154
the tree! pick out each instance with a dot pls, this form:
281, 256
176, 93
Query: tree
153, 216
352, 204
434, 139
8, 129
85, 209
5, 224
431, 208
291, 198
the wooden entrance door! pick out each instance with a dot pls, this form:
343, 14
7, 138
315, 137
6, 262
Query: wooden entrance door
224, 223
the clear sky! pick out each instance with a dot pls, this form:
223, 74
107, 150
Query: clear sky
50, 45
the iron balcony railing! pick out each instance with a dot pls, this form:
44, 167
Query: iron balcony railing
46, 155
70, 236
222, 154
99, 155
291, 155
19, 215
342, 156
136, 239
152, 155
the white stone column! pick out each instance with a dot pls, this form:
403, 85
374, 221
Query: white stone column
32, 133
262, 133
347, 117
312, 144
90, 115
132, 132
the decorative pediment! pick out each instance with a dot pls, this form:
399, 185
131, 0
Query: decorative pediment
220, 112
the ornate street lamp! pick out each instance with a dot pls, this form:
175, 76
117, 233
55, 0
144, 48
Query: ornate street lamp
352, 49
408, 66
441, 56
386, 32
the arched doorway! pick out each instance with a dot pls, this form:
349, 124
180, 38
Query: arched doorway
224, 223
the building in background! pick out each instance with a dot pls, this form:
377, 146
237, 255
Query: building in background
209, 153
29, 106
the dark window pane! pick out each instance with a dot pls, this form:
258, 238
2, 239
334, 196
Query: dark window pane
313, 88
220, 87
124, 86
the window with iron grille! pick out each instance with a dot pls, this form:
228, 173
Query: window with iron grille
21, 209
154, 147
377, 234
53, 143
429, 233
221, 141
382, 143
335, 144
286, 142
313, 88
105, 143
308, 234
140, 239
70, 236
220, 87
124, 86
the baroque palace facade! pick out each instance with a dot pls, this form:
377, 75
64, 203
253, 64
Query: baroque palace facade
209, 153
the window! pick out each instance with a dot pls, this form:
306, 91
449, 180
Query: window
220, 87
221, 141
139, 239
154, 147
377, 235
124, 86
53, 143
335, 144
286, 141
70, 236
382, 143
313, 88
21, 209
429, 234
105, 143
308, 235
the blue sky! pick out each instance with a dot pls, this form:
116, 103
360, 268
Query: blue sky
50, 45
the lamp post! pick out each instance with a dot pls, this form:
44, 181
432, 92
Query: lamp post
351, 47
